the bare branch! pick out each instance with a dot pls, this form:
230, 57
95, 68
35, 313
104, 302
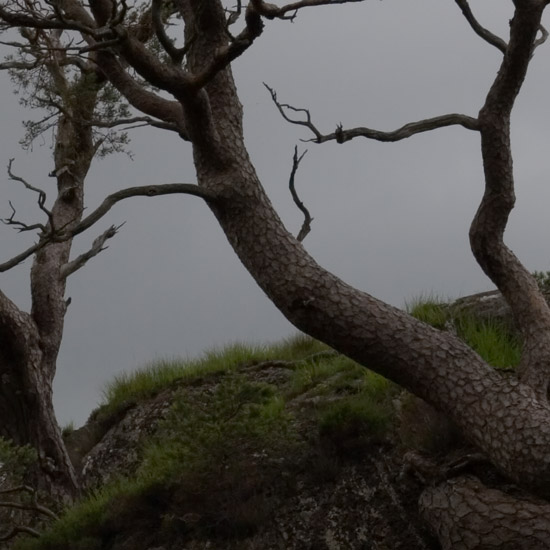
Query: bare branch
21, 226
271, 11
41, 197
143, 191
282, 106
481, 31
306, 226
16, 260
176, 54
60, 235
97, 246
406, 131
141, 120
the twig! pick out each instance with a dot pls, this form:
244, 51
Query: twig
306, 225
41, 194
282, 106
21, 226
97, 246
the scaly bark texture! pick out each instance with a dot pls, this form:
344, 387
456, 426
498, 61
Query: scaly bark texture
466, 515
507, 418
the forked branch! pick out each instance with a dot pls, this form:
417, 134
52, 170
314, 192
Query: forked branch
271, 11
41, 200
341, 135
144, 191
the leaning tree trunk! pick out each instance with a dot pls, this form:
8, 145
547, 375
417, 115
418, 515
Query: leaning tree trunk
506, 418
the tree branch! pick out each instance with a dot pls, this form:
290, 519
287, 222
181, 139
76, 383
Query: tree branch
306, 225
271, 11
16, 260
41, 193
142, 120
149, 103
97, 246
176, 54
481, 31
21, 226
144, 191
406, 131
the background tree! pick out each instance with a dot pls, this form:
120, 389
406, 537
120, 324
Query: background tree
85, 112
506, 418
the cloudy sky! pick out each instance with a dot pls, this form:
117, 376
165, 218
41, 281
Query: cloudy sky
391, 219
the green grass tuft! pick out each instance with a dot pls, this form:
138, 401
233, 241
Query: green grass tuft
154, 377
491, 338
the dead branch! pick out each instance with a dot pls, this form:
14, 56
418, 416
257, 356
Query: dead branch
282, 107
481, 31
15, 18
41, 202
21, 226
306, 225
143, 191
341, 135
61, 234
271, 11
97, 246
16, 260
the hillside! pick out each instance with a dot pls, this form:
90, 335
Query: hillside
287, 446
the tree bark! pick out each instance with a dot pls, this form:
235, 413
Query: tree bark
502, 417
30, 343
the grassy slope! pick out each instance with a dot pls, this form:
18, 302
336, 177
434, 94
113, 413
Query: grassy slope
187, 468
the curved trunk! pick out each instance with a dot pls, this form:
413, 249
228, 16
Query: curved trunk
502, 417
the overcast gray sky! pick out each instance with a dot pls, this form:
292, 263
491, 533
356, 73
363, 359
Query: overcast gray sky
391, 219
